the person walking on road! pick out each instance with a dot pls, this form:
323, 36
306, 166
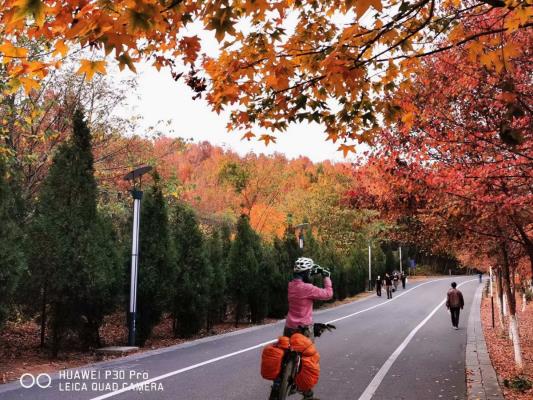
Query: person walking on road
455, 303
395, 281
404, 278
480, 277
388, 285
378, 286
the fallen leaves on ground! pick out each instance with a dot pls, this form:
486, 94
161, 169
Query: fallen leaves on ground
20, 352
501, 348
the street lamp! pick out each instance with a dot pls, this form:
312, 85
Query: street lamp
135, 176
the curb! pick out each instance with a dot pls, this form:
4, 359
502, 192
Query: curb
482, 381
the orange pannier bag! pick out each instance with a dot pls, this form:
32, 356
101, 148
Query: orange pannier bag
302, 344
309, 373
272, 357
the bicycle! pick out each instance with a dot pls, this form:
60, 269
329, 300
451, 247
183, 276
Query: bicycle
291, 365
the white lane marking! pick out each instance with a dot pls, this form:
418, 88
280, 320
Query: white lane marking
383, 304
179, 371
378, 378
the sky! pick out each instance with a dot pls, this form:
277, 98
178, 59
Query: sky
159, 97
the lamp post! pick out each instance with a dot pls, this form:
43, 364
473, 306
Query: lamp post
135, 176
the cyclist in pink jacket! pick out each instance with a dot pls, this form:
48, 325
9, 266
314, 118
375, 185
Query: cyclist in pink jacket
302, 293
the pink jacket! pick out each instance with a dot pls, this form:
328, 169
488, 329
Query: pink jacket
301, 296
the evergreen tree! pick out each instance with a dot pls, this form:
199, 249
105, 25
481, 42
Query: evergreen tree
311, 246
72, 255
192, 274
12, 257
155, 260
243, 266
357, 271
390, 260
281, 274
330, 258
217, 292
260, 286
285, 251
292, 247
225, 238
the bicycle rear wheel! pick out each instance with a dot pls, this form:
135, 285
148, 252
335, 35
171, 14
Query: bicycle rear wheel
285, 379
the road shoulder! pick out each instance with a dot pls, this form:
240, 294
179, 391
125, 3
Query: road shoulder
482, 382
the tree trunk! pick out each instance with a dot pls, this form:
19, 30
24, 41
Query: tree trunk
528, 244
505, 305
513, 324
43, 316
513, 327
499, 292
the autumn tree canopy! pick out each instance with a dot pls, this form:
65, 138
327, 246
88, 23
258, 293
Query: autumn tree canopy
279, 62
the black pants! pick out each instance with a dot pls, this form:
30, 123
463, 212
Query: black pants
403, 283
389, 291
378, 290
454, 311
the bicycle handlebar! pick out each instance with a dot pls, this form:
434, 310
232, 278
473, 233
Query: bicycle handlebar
318, 328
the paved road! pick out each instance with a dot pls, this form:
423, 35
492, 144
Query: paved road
402, 348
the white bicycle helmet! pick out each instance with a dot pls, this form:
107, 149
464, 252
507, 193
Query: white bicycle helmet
303, 264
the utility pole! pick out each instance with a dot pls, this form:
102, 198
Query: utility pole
369, 268
400, 249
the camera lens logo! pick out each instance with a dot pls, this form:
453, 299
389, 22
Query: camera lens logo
29, 380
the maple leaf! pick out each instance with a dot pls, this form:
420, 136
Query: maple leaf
60, 48
33, 8
9, 51
248, 136
125, 60
89, 68
222, 23
29, 84
267, 139
139, 21
362, 6
255, 6
191, 46
333, 136
346, 148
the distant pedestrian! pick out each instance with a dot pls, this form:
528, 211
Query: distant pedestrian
395, 281
480, 277
378, 286
388, 285
404, 278
455, 304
